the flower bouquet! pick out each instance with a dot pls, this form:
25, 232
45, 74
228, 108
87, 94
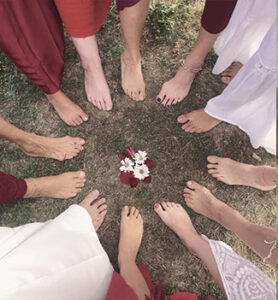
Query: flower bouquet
135, 167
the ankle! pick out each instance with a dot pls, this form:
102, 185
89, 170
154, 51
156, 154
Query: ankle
194, 60
124, 258
32, 188
131, 58
191, 241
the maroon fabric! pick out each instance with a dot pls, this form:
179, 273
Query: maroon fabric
217, 14
119, 290
122, 4
32, 37
11, 188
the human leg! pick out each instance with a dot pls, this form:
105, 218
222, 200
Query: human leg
255, 236
40, 54
130, 240
177, 219
82, 20
132, 22
235, 173
34, 145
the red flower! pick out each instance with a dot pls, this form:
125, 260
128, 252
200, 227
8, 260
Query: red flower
150, 164
125, 177
133, 181
123, 156
130, 150
148, 179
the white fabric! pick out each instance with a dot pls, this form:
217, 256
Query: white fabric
249, 23
249, 101
241, 279
59, 259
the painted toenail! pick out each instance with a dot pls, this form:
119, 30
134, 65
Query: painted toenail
158, 99
156, 205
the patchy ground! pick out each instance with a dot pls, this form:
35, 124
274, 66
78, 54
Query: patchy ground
147, 126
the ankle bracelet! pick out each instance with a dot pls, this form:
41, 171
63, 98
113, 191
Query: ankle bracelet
34, 187
273, 243
188, 68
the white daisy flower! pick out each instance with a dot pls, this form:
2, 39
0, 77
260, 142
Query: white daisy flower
127, 165
141, 172
140, 157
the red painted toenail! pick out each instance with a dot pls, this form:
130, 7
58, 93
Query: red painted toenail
156, 205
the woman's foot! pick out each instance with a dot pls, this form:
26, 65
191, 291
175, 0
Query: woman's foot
228, 75
177, 88
69, 112
132, 78
98, 210
131, 234
202, 201
96, 87
234, 173
57, 148
198, 121
177, 219
63, 186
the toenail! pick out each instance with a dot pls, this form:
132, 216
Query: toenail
156, 205
158, 99
82, 173
189, 182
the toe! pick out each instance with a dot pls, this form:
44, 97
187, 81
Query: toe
158, 209
191, 184
213, 159
100, 203
132, 210
183, 118
164, 205
93, 195
213, 171
187, 191
125, 211
136, 213
211, 166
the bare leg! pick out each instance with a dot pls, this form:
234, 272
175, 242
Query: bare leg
203, 202
235, 173
96, 86
69, 112
98, 210
176, 89
63, 186
198, 121
176, 218
34, 145
130, 240
132, 23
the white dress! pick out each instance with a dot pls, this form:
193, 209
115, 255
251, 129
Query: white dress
60, 259
249, 101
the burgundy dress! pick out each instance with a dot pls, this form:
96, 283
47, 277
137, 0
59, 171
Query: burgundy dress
119, 290
32, 37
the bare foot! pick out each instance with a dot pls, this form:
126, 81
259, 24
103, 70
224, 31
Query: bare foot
69, 112
98, 210
202, 201
174, 216
63, 186
228, 75
131, 234
97, 89
57, 148
197, 121
132, 78
177, 219
234, 173
176, 89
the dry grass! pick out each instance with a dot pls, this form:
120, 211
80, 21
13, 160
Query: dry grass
179, 156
